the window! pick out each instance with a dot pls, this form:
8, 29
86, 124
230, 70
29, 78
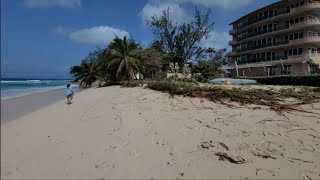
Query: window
297, 5
313, 50
263, 54
269, 56
270, 13
291, 21
296, 35
271, 71
286, 70
286, 37
292, 6
301, 19
291, 37
275, 12
285, 53
300, 51
301, 35
290, 52
311, 17
295, 52
301, 3
296, 20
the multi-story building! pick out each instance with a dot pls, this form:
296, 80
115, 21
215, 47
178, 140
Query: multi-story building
282, 38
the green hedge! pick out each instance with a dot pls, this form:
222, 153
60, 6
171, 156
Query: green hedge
312, 80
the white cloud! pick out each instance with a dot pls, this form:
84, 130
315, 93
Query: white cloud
99, 35
177, 13
225, 4
52, 3
217, 40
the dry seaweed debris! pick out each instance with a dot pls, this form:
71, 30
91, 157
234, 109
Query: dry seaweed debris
275, 99
233, 159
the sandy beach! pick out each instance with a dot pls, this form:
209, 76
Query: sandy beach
136, 133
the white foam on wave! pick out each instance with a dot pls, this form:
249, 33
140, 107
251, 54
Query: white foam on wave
13, 93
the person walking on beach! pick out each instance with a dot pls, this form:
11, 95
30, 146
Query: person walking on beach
69, 93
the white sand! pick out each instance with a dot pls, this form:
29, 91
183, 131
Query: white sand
137, 133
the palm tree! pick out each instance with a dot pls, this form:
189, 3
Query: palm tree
124, 59
86, 73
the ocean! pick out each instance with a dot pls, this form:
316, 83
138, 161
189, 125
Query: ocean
19, 87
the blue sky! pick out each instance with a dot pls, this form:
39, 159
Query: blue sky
44, 38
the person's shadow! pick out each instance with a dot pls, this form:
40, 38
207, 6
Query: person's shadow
69, 103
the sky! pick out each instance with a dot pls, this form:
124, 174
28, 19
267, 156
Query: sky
44, 38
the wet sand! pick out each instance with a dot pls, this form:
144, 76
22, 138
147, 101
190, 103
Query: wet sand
137, 133
16, 107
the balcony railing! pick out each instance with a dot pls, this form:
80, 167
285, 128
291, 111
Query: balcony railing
269, 44
255, 20
264, 31
264, 59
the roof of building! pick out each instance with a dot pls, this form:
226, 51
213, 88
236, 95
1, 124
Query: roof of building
280, 1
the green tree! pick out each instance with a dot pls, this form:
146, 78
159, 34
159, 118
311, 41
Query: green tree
123, 59
86, 73
181, 41
204, 70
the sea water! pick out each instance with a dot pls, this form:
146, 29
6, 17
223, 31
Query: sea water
19, 87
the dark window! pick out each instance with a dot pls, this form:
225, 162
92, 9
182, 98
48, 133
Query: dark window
295, 51
301, 3
269, 55
296, 20
301, 19
300, 51
258, 55
265, 27
285, 53
271, 13
291, 21
263, 54
301, 35
286, 69
297, 5
275, 12
296, 35
286, 37
291, 37
273, 54
290, 52
292, 6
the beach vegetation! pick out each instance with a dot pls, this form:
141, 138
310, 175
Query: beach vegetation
86, 74
123, 59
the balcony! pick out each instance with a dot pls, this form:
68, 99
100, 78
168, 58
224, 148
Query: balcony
300, 25
233, 31
309, 6
264, 59
269, 30
254, 20
270, 61
232, 43
265, 45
